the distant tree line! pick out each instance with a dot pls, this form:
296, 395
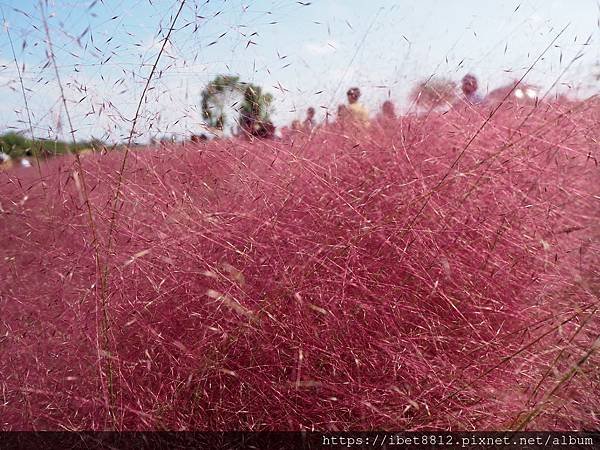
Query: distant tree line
17, 145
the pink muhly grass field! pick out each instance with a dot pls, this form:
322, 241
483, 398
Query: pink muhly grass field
349, 280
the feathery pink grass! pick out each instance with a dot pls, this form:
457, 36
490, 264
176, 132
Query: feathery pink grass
347, 280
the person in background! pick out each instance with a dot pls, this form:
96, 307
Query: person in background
342, 113
387, 115
469, 89
388, 110
5, 161
357, 111
309, 122
296, 125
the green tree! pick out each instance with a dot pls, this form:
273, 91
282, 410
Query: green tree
255, 105
213, 97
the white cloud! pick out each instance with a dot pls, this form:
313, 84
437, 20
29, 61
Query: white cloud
321, 48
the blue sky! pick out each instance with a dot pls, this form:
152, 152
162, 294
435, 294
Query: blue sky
304, 55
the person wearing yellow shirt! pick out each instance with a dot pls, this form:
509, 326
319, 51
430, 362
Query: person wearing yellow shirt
358, 112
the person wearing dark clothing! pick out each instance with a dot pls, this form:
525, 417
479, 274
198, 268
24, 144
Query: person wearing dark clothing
309, 122
388, 110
